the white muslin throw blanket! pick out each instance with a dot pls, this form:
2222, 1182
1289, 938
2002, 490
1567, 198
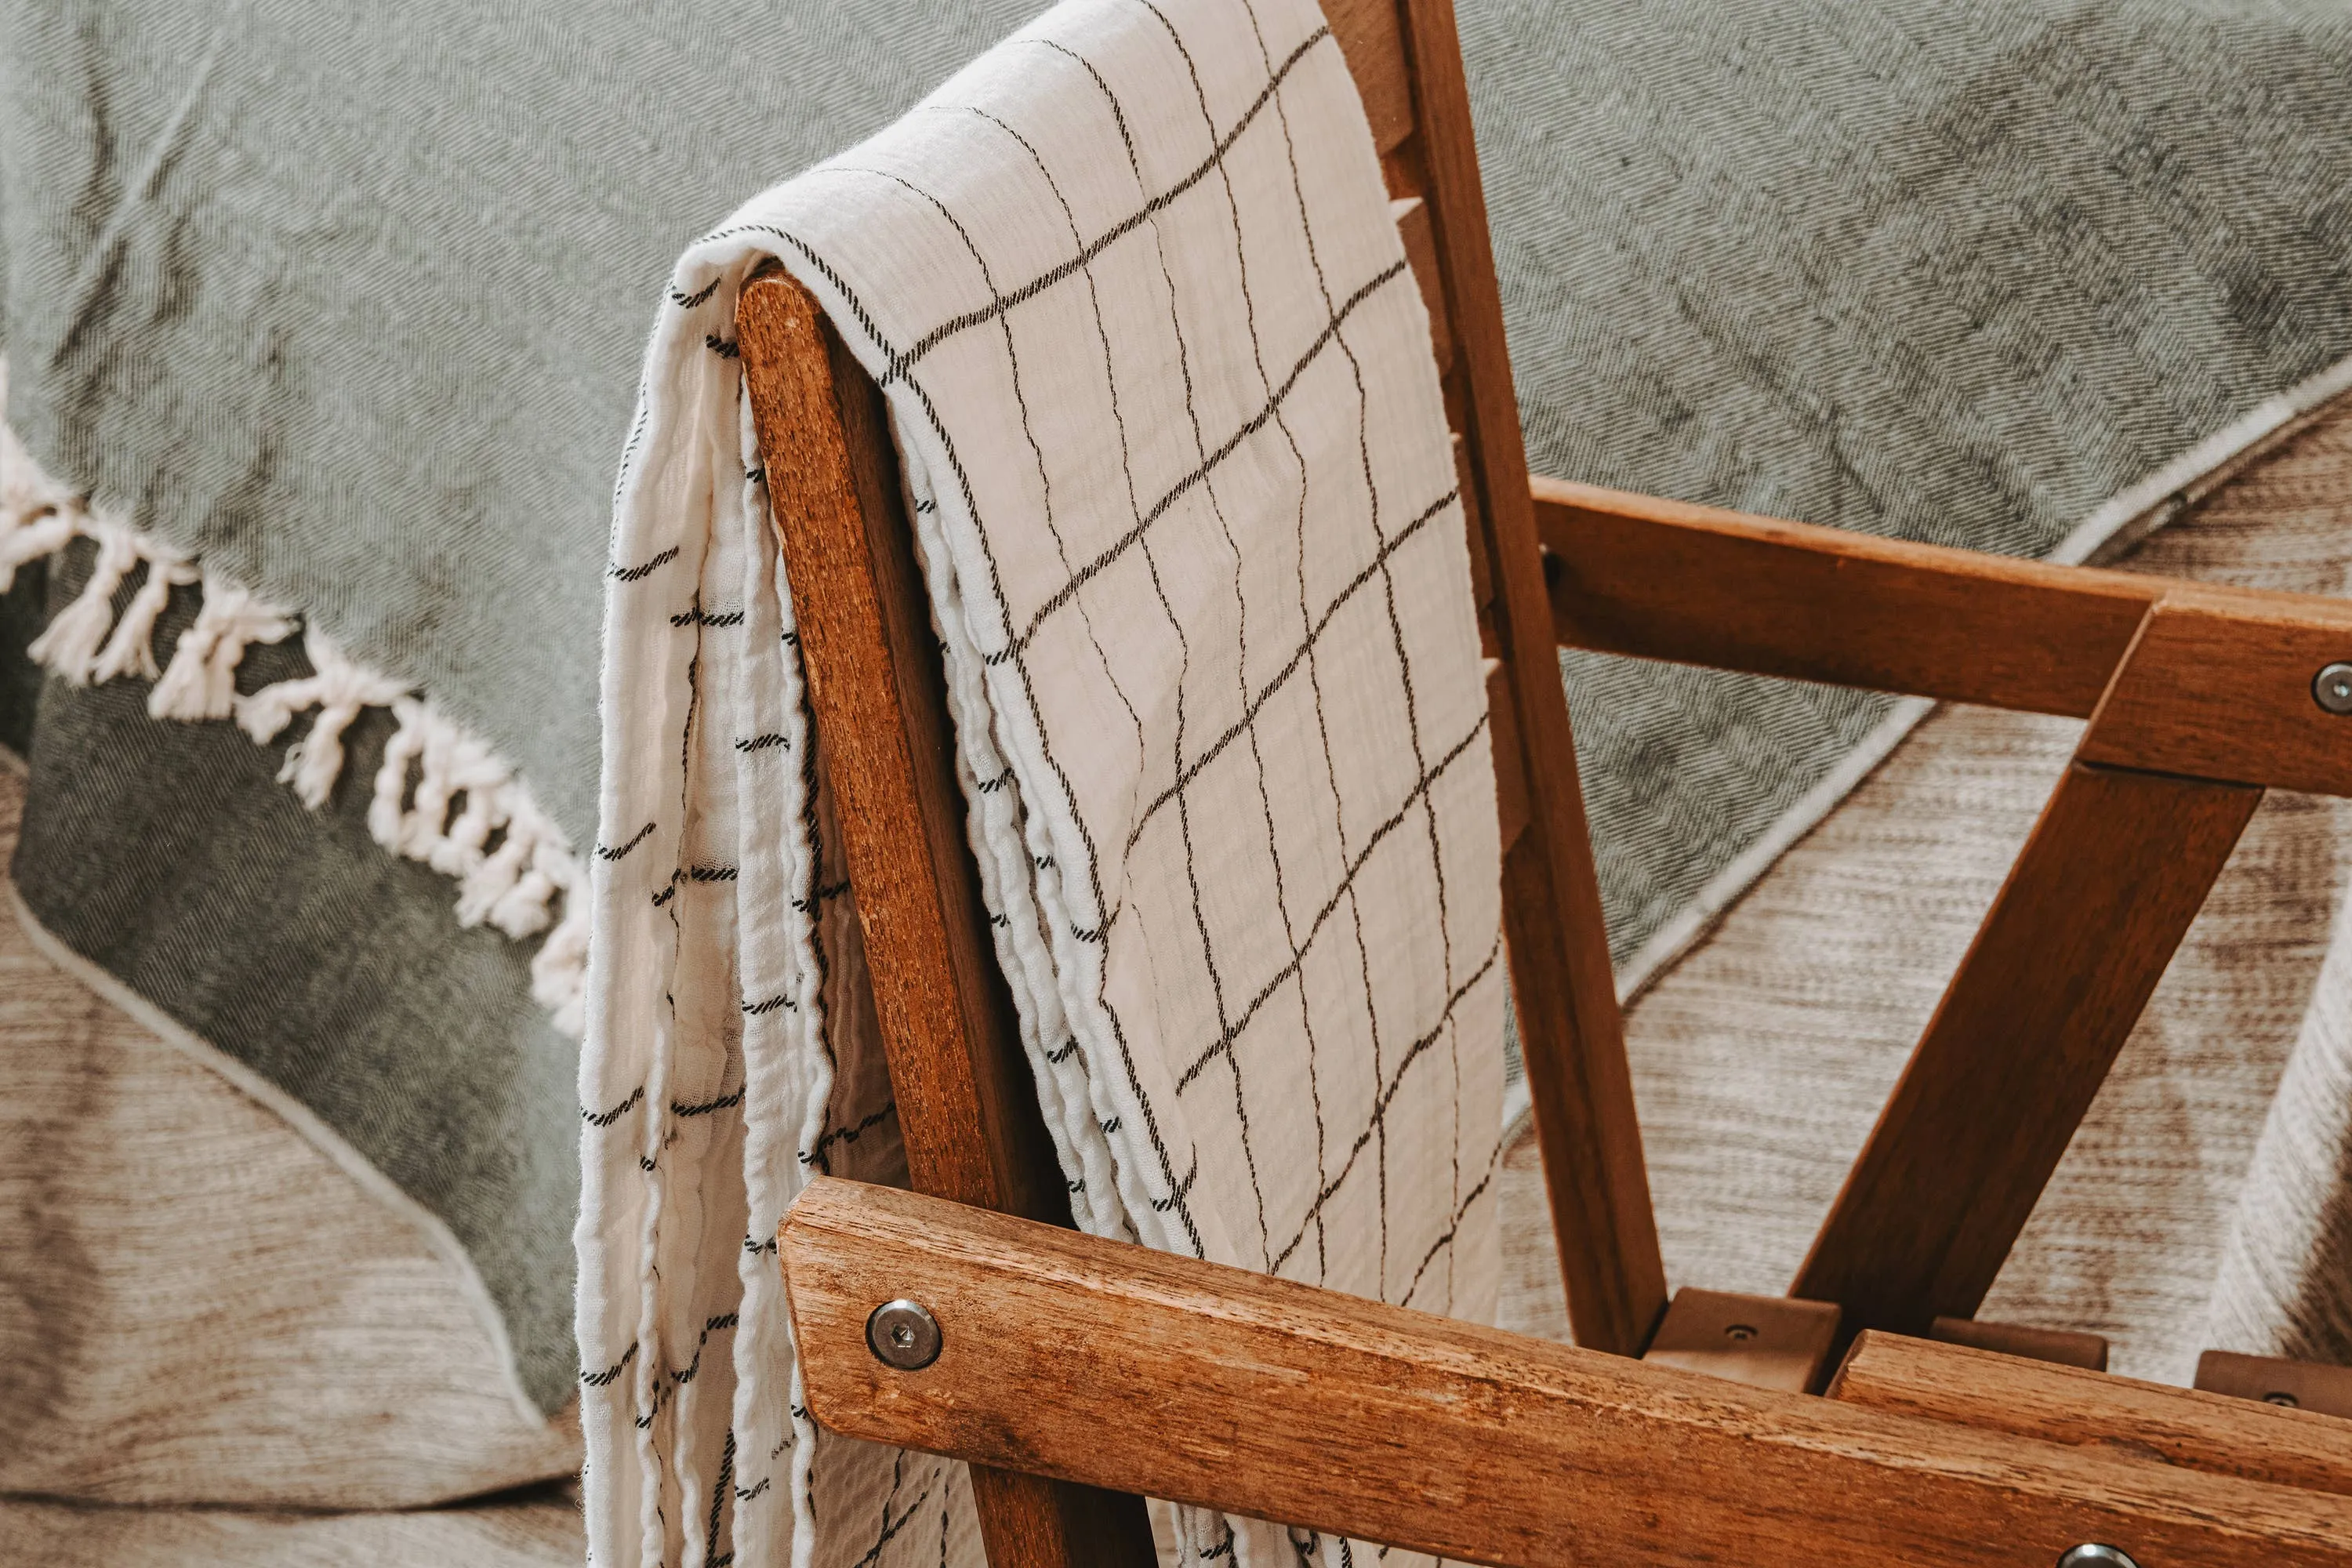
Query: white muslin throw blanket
1173, 442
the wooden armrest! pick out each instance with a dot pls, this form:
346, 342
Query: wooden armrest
2224, 691
1069, 1356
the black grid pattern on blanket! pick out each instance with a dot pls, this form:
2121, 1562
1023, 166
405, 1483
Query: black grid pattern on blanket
1185, 500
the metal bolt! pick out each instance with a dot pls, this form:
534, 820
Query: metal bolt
2332, 688
2091, 1554
903, 1334
2283, 1399
1740, 1333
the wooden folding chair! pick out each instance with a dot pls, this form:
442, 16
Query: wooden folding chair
1104, 1371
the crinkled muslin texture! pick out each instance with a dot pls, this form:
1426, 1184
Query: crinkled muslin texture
1184, 497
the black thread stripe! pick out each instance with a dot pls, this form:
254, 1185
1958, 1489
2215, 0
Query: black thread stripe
1447, 1240
709, 1326
718, 1493
761, 742
1389, 1094
724, 1102
1346, 884
900, 364
817, 1155
1363, 955
606, 1118
1281, 677
636, 573
641, 836
612, 1373
1020, 400
1249, 427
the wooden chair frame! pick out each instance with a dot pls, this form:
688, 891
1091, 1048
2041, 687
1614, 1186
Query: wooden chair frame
2197, 699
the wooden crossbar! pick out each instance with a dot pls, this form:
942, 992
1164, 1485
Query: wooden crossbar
1282, 1402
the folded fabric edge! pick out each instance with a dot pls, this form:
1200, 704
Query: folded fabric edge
2108, 532
438, 1239
442, 794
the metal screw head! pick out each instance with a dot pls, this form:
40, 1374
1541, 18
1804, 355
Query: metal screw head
2332, 688
1740, 1333
2091, 1554
2283, 1400
903, 1334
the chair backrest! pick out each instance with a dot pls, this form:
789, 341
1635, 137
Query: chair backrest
2100, 898
966, 1106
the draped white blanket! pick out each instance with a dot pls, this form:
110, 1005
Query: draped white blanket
1161, 387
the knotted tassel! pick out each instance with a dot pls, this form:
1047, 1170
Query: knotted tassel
387, 811
558, 970
70, 646
131, 649
524, 909
28, 533
338, 689
201, 681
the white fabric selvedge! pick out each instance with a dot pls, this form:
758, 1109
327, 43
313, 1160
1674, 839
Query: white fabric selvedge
1184, 497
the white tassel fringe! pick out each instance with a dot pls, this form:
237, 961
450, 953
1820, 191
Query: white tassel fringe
441, 796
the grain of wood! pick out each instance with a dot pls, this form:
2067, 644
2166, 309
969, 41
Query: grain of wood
2279, 1383
1272, 1399
1765, 1342
1373, 47
1659, 579
2049, 1403
2223, 689
2062, 1347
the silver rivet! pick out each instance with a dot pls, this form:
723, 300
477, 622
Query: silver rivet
1740, 1333
2332, 688
2283, 1399
2091, 1554
903, 1334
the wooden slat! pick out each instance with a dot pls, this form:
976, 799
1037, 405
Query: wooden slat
1272, 1399
2224, 691
2107, 884
2208, 1432
1571, 1034
1412, 215
1373, 47
1764, 1342
2221, 690
1482, 572
1510, 762
2063, 1347
1658, 579
2270, 1380
966, 1101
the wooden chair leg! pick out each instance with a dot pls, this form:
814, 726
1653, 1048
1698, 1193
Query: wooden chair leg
2114, 871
